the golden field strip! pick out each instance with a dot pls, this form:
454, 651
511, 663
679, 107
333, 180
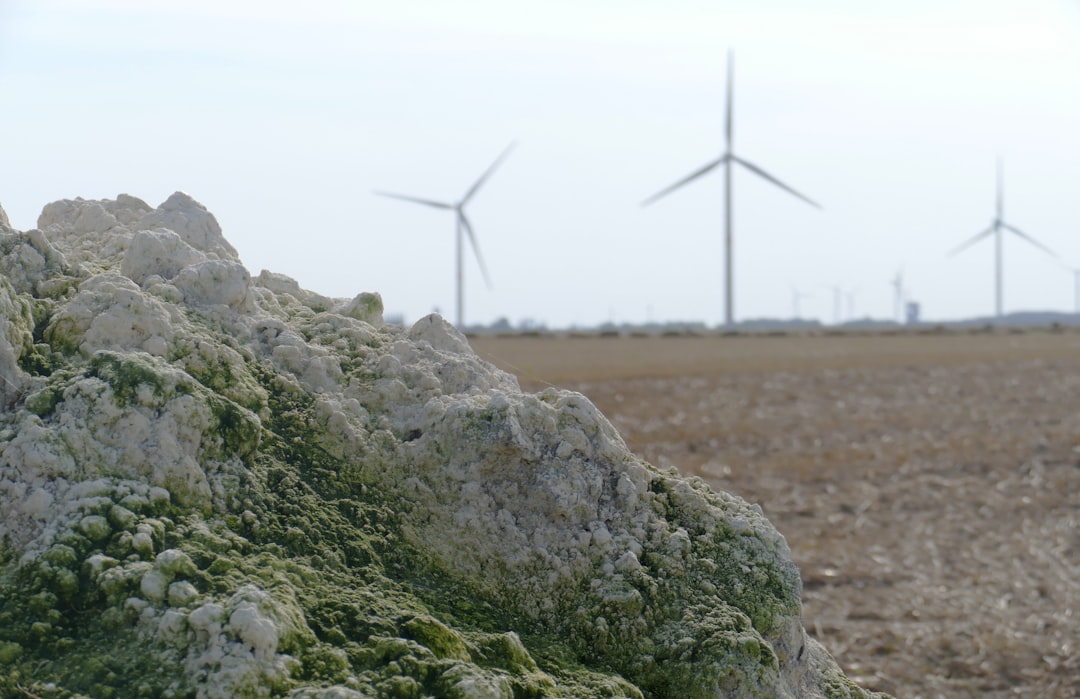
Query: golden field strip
928, 484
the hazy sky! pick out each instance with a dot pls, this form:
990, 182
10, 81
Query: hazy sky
282, 121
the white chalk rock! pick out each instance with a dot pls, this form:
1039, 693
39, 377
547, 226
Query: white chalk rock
33, 265
441, 335
16, 340
76, 217
288, 288
87, 232
215, 282
111, 312
127, 210
193, 223
159, 252
367, 307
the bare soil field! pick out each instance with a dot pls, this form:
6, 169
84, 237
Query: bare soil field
928, 485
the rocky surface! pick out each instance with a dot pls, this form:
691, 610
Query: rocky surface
219, 485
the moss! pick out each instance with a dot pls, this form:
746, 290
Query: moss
126, 373
239, 429
223, 369
42, 403
94, 661
41, 311
62, 337
39, 360
437, 637
95, 527
748, 575
18, 320
9, 652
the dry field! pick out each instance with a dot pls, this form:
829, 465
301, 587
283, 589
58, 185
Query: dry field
929, 485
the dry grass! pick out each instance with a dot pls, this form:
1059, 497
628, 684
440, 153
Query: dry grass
929, 486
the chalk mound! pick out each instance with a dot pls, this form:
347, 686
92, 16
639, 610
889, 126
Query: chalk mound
219, 485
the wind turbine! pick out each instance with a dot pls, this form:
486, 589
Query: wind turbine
838, 304
898, 294
1076, 285
796, 297
727, 159
996, 229
850, 294
461, 223
840, 295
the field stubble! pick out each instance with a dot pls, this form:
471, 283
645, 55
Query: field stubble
929, 486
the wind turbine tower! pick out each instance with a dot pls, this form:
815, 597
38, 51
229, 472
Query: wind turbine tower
461, 226
898, 295
996, 228
1076, 288
727, 159
850, 295
796, 297
838, 304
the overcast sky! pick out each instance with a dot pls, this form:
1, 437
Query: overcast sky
283, 117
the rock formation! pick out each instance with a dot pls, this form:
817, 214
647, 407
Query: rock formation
215, 485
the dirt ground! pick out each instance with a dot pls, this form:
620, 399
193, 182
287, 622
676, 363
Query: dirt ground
928, 485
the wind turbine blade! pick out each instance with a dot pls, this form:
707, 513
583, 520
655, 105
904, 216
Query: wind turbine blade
692, 176
476, 248
729, 123
1028, 238
970, 241
416, 200
487, 173
761, 173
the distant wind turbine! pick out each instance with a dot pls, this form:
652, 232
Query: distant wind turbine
850, 294
796, 297
840, 295
1076, 288
838, 304
1076, 285
898, 295
727, 159
461, 223
996, 229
